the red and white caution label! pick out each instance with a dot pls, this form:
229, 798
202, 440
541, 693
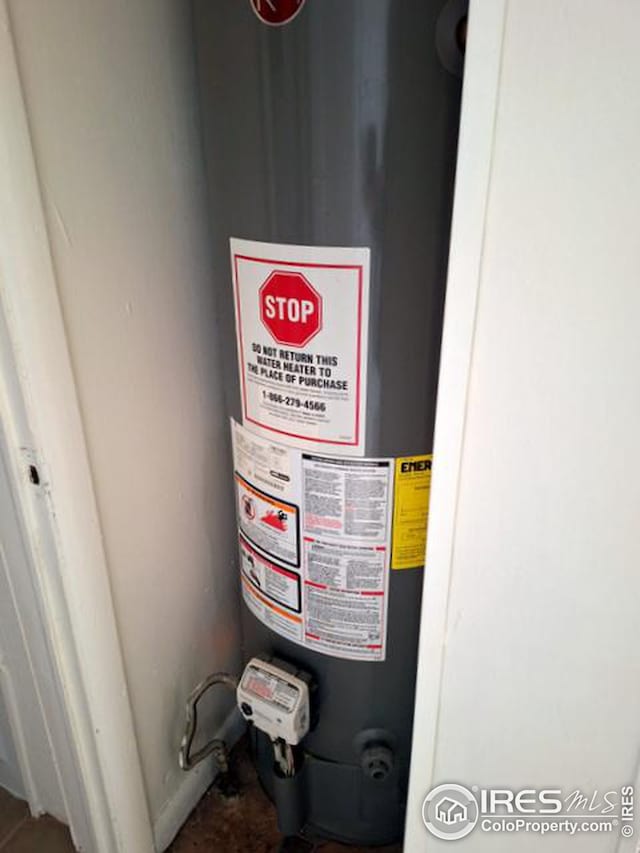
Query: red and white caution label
273, 593
302, 333
280, 619
268, 522
281, 585
334, 599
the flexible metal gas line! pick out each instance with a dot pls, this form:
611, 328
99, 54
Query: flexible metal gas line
217, 747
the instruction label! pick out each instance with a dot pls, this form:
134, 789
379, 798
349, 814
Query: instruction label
280, 619
302, 334
268, 522
346, 512
347, 498
345, 599
411, 511
334, 599
266, 464
281, 585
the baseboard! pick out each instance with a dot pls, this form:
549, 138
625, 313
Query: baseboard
176, 810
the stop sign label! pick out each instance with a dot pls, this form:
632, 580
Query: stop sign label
276, 12
302, 331
290, 308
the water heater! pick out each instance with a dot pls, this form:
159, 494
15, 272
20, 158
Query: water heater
330, 132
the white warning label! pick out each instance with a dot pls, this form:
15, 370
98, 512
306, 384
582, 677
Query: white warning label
302, 333
345, 598
356, 568
347, 498
262, 462
325, 587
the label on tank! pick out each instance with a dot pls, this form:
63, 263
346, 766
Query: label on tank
302, 328
411, 511
346, 522
271, 524
271, 592
335, 600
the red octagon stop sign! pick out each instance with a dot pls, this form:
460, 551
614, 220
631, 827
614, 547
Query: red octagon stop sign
276, 12
290, 308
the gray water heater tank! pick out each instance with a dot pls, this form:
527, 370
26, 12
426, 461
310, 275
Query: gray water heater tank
330, 130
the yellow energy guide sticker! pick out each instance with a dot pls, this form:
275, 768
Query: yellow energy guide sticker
410, 511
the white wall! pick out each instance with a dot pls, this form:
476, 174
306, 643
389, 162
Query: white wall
110, 94
529, 672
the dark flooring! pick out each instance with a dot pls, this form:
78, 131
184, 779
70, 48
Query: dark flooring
245, 823
242, 823
21, 833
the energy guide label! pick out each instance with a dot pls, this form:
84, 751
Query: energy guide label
411, 511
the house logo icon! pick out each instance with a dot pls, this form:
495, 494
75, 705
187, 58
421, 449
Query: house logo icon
450, 812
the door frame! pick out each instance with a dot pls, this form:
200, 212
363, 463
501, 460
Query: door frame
30, 685
81, 678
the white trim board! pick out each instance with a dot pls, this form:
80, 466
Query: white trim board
34, 711
62, 527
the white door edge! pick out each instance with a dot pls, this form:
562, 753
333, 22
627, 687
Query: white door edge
475, 156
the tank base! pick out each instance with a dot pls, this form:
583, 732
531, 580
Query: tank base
340, 802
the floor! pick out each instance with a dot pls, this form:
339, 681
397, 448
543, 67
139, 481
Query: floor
222, 821
244, 823
20, 833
